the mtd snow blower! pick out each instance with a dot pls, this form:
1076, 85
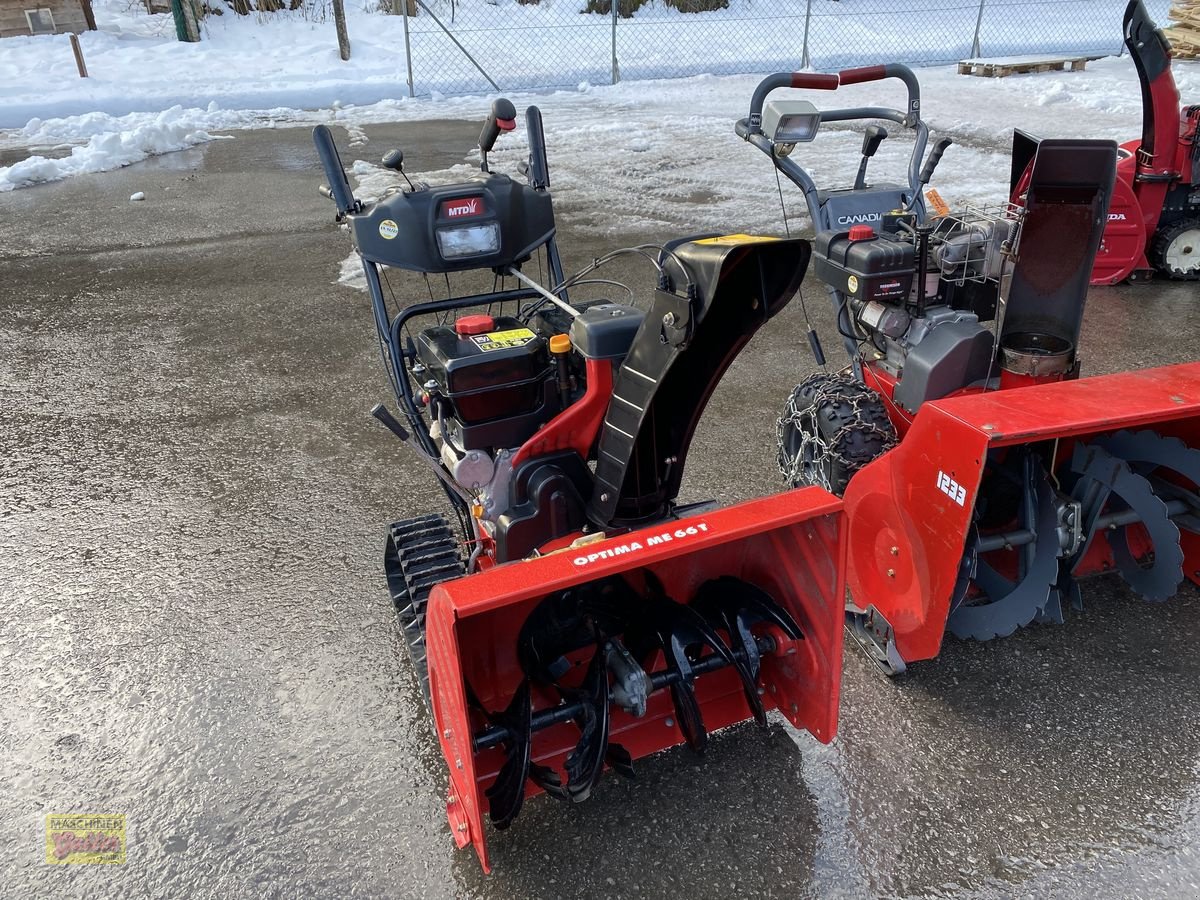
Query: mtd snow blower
577, 617
1154, 218
982, 476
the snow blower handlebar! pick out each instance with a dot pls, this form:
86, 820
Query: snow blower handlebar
338, 189
751, 130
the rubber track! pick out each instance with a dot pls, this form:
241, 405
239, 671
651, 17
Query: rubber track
420, 554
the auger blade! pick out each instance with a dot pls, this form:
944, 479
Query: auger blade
1103, 476
586, 762
1007, 605
736, 606
507, 794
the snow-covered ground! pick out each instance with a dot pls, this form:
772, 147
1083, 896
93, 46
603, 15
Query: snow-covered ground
290, 59
651, 154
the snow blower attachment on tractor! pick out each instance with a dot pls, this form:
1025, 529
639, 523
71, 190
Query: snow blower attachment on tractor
581, 618
982, 476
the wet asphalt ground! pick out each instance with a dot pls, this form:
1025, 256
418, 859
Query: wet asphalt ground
196, 631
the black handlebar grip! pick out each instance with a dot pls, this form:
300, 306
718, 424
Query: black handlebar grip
339, 184
503, 117
935, 157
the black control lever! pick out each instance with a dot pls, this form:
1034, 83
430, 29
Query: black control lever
873, 136
384, 415
394, 160
935, 157
503, 117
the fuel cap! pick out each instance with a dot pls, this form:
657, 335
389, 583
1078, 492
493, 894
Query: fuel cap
859, 233
474, 324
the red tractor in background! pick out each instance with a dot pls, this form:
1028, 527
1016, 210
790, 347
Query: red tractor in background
1154, 219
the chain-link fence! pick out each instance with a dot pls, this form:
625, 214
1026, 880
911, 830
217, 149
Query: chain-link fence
461, 46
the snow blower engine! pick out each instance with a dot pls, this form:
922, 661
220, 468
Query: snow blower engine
575, 617
982, 476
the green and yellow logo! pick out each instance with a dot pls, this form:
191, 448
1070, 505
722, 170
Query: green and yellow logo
83, 838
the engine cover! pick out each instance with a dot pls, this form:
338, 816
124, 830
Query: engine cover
499, 383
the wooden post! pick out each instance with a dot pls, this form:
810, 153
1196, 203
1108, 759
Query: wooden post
339, 19
78, 56
88, 15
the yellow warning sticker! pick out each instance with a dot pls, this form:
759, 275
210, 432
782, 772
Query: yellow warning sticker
503, 340
735, 239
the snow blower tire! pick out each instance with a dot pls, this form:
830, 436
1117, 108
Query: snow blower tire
1175, 250
832, 426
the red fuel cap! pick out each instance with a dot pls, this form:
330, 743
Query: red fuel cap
474, 324
861, 232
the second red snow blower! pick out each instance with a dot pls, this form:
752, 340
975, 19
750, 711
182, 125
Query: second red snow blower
982, 476
1154, 218
575, 617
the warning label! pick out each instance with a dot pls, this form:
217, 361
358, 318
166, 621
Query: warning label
503, 340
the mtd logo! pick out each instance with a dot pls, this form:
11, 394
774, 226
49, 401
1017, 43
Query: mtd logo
463, 208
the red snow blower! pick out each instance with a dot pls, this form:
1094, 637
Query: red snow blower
982, 476
578, 618
1154, 218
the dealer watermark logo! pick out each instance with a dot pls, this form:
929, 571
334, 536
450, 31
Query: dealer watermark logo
85, 838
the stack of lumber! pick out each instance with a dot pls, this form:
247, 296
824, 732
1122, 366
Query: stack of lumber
1184, 31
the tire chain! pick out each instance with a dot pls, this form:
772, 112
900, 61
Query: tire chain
831, 389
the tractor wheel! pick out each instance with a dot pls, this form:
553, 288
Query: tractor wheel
832, 426
1175, 250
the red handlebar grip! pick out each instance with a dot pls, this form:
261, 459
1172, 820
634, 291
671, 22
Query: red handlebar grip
865, 73
814, 81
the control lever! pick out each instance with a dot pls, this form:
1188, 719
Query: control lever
326, 191
384, 415
935, 157
503, 117
394, 160
873, 136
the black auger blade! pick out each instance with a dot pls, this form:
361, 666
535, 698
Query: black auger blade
586, 762
507, 794
736, 606
677, 631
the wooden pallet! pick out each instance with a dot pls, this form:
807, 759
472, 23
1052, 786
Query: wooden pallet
999, 67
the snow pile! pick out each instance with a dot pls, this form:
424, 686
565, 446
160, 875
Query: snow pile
290, 59
111, 143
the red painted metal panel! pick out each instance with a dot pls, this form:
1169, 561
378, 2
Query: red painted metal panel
907, 533
791, 545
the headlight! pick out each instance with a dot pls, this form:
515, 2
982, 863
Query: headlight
791, 121
468, 240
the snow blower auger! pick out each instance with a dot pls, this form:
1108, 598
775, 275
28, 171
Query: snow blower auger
1154, 219
579, 618
982, 476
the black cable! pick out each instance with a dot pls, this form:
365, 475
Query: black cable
783, 209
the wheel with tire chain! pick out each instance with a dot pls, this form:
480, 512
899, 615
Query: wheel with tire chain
832, 426
1175, 250
419, 554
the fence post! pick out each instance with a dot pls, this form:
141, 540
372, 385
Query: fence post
616, 70
976, 50
339, 21
407, 43
807, 18
78, 51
